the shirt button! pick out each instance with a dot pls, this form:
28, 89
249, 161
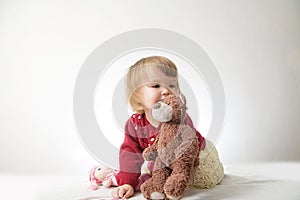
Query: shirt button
152, 139
135, 127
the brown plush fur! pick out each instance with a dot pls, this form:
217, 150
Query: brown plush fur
175, 152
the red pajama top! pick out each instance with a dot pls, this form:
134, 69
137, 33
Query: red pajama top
139, 134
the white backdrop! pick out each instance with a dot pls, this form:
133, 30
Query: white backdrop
255, 46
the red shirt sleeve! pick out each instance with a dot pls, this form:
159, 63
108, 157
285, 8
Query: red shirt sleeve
130, 157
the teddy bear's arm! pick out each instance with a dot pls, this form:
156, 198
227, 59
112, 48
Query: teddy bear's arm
150, 154
187, 135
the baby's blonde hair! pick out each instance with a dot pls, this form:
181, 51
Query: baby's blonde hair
137, 75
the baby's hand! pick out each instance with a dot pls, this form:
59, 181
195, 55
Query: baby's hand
124, 191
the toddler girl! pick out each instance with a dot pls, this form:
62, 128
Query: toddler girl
149, 80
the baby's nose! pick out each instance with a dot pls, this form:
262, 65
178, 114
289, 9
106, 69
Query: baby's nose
165, 91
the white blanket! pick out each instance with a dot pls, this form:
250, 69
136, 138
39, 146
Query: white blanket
242, 181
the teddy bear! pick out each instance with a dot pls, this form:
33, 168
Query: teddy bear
100, 175
175, 151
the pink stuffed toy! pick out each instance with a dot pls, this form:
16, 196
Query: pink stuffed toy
102, 176
107, 177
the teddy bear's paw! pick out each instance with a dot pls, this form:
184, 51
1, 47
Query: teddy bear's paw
157, 195
173, 197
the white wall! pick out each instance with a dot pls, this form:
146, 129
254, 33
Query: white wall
255, 46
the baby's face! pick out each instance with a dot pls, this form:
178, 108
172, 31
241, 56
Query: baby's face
156, 88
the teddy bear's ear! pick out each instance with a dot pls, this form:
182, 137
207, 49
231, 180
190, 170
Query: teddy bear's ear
182, 99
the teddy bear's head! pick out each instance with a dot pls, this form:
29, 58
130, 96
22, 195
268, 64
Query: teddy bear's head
172, 108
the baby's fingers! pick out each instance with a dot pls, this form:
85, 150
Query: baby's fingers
115, 193
128, 193
121, 192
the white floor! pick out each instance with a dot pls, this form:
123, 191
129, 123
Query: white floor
242, 181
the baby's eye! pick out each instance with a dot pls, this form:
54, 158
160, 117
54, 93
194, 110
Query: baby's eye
155, 86
172, 86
